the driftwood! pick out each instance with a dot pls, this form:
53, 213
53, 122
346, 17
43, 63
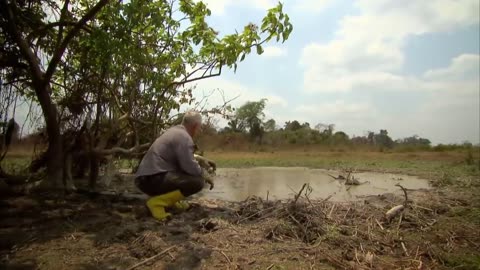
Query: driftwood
394, 211
350, 180
151, 258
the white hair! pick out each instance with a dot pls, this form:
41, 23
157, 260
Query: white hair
192, 117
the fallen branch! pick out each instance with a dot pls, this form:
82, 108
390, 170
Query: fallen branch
380, 225
224, 255
257, 213
151, 258
300, 193
331, 211
393, 212
405, 249
405, 193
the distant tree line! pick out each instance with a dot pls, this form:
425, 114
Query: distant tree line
249, 121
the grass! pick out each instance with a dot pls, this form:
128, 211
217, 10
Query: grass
445, 168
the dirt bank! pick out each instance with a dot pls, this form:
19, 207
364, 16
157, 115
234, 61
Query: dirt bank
438, 230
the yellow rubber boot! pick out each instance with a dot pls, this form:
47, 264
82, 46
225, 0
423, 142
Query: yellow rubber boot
179, 204
158, 203
182, 205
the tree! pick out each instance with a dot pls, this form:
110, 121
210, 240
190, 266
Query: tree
326, 129
234, 125
270, 125
306, 125
414, 140
382, 139
340, 136
293, 125
119, 67
250, 117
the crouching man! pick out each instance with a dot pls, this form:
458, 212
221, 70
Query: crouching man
170, 171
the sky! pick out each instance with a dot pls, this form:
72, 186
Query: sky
411, 67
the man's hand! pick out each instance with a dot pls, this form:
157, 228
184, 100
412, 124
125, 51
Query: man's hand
212, 164
208, 169
205, 163
208, 178
210, 182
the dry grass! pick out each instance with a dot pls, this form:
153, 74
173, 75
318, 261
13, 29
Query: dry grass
76, 232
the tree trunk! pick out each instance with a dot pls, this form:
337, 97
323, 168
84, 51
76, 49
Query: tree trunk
55, 142
41, 82
94, 171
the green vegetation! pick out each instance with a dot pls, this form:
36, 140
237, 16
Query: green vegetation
248, 130
105, 72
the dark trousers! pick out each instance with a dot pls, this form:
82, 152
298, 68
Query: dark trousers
157, 184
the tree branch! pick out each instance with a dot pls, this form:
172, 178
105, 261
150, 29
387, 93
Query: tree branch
57, 55
119, 150
40, 31
25, 50
197, 78
62, 18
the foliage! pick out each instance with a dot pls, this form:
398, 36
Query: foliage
413, 140
270, 125
382, 139
293, 125
119, 68
249, 117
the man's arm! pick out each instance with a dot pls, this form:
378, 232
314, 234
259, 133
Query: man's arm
184, 153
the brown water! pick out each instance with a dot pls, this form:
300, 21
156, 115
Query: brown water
283, 183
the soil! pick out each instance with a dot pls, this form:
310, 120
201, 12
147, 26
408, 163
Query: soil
437, 230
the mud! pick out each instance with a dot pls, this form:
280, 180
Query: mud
111, 232
282, 183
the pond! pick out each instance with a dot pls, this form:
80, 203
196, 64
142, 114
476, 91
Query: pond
282, 183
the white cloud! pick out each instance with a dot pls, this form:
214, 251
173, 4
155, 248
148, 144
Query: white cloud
312, 5
450, 111
444, 117
350, 117
338, 107
449, 117
367, 49
274, 51
218, 6
463, 67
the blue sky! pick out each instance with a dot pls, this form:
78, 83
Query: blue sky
411, 67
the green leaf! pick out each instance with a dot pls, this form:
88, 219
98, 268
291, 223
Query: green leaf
259, 49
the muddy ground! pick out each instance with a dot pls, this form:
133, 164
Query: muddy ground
440, 229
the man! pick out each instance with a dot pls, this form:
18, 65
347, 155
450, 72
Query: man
170, 171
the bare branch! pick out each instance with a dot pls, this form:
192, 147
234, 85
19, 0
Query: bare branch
197, 78
119, 150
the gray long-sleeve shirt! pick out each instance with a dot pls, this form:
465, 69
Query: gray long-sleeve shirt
172, 151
